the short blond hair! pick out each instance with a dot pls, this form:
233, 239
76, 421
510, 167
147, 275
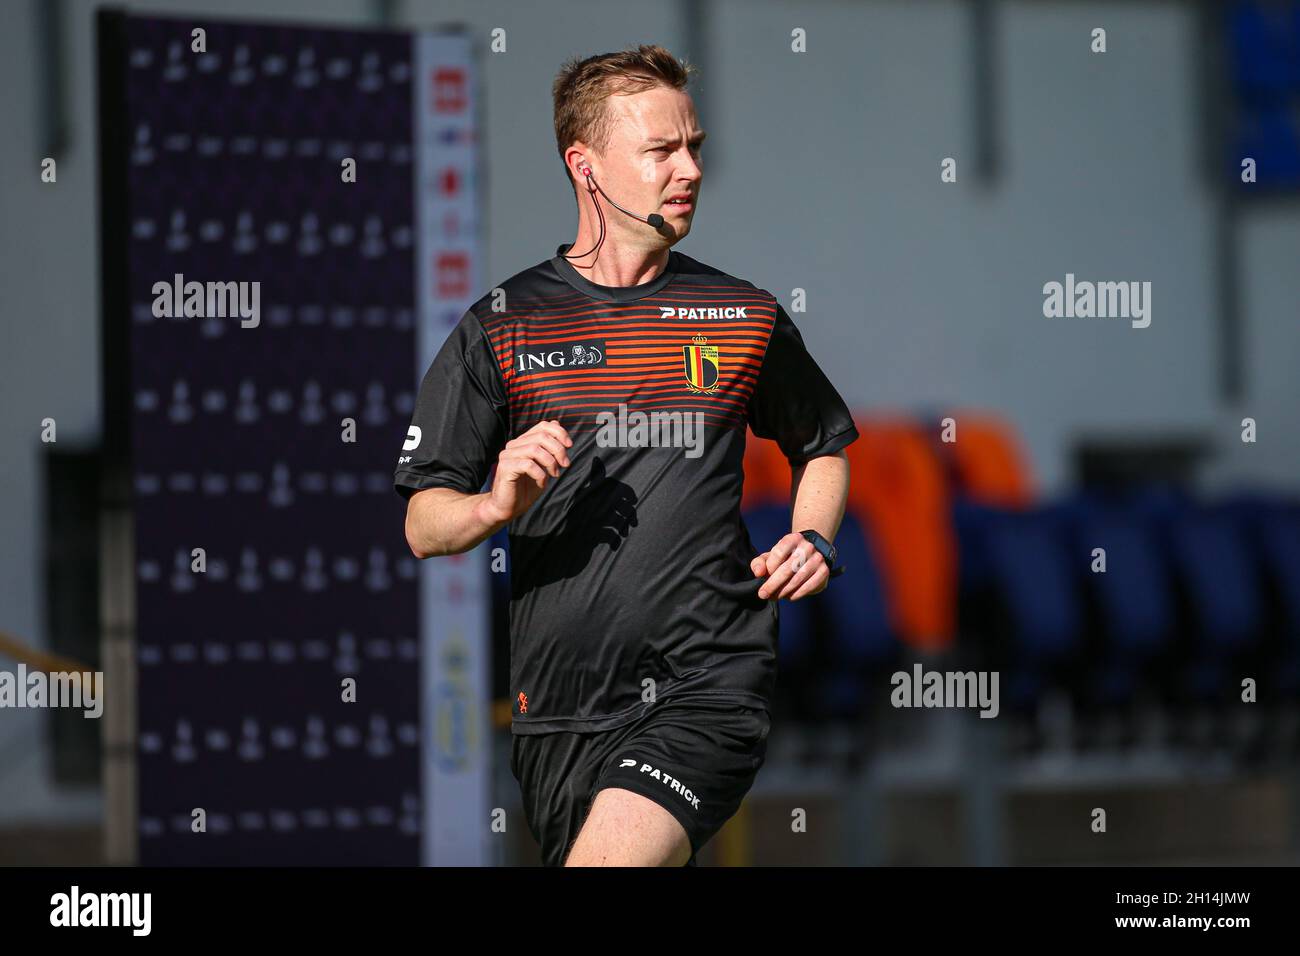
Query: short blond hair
582, 86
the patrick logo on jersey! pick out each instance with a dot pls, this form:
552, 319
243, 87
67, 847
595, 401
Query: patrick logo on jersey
703, 315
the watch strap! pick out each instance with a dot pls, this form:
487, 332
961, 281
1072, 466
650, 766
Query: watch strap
825, 549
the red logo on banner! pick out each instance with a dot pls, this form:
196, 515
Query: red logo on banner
449, 181
452, 272
449, 94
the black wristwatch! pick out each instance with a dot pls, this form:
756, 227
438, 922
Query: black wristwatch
825, 549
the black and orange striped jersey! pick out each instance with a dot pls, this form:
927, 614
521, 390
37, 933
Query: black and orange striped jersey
630, 574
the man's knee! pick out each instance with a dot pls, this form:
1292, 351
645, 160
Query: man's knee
626, 829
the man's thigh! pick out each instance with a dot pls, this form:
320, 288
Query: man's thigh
627, 829
690, 762
557, 776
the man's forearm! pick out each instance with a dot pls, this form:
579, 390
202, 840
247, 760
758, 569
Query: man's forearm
442, 521
819, 490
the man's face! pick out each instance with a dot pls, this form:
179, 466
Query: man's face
653, 158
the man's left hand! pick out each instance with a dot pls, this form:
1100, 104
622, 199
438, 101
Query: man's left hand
794, 569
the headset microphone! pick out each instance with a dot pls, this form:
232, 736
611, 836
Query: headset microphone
654, 220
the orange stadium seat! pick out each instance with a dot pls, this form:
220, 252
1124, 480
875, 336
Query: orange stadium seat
986, 461
767, 474
900, 495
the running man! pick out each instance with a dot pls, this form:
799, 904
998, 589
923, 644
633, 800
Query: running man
608, 395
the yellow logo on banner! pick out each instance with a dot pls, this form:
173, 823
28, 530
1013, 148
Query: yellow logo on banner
454, 730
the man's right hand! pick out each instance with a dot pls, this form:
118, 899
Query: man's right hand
523, 468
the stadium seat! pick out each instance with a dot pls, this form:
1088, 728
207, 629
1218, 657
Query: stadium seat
858, 622
767, 524
899, 495
1030, 612
1133, 602
767, 474
985, 463
1271, 526
1263, 52
1269, 134
1221, 610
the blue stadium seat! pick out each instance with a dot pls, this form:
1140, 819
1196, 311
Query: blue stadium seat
1018, 563
500, 583
1263, 51
858, 614
1036, 580
971, 522
1219, 587
767, 524
1272, 529
1269, 135
858, 620
1136, 614
1211, 554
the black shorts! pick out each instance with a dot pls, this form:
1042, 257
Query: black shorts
696, 757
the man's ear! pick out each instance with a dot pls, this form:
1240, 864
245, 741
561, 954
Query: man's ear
576, 157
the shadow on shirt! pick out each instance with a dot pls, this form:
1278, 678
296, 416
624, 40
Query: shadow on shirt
601, 511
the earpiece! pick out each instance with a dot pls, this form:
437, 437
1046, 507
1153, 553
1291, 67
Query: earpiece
654, 219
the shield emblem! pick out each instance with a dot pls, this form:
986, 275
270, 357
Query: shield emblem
701, 362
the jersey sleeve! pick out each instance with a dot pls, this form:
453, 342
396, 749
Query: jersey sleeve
794, 402
459, 424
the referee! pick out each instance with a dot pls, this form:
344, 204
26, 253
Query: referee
609, 401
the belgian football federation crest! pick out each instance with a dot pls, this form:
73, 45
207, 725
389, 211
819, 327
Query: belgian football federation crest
701, 366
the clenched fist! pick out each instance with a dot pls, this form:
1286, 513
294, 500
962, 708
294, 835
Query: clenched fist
524, 466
